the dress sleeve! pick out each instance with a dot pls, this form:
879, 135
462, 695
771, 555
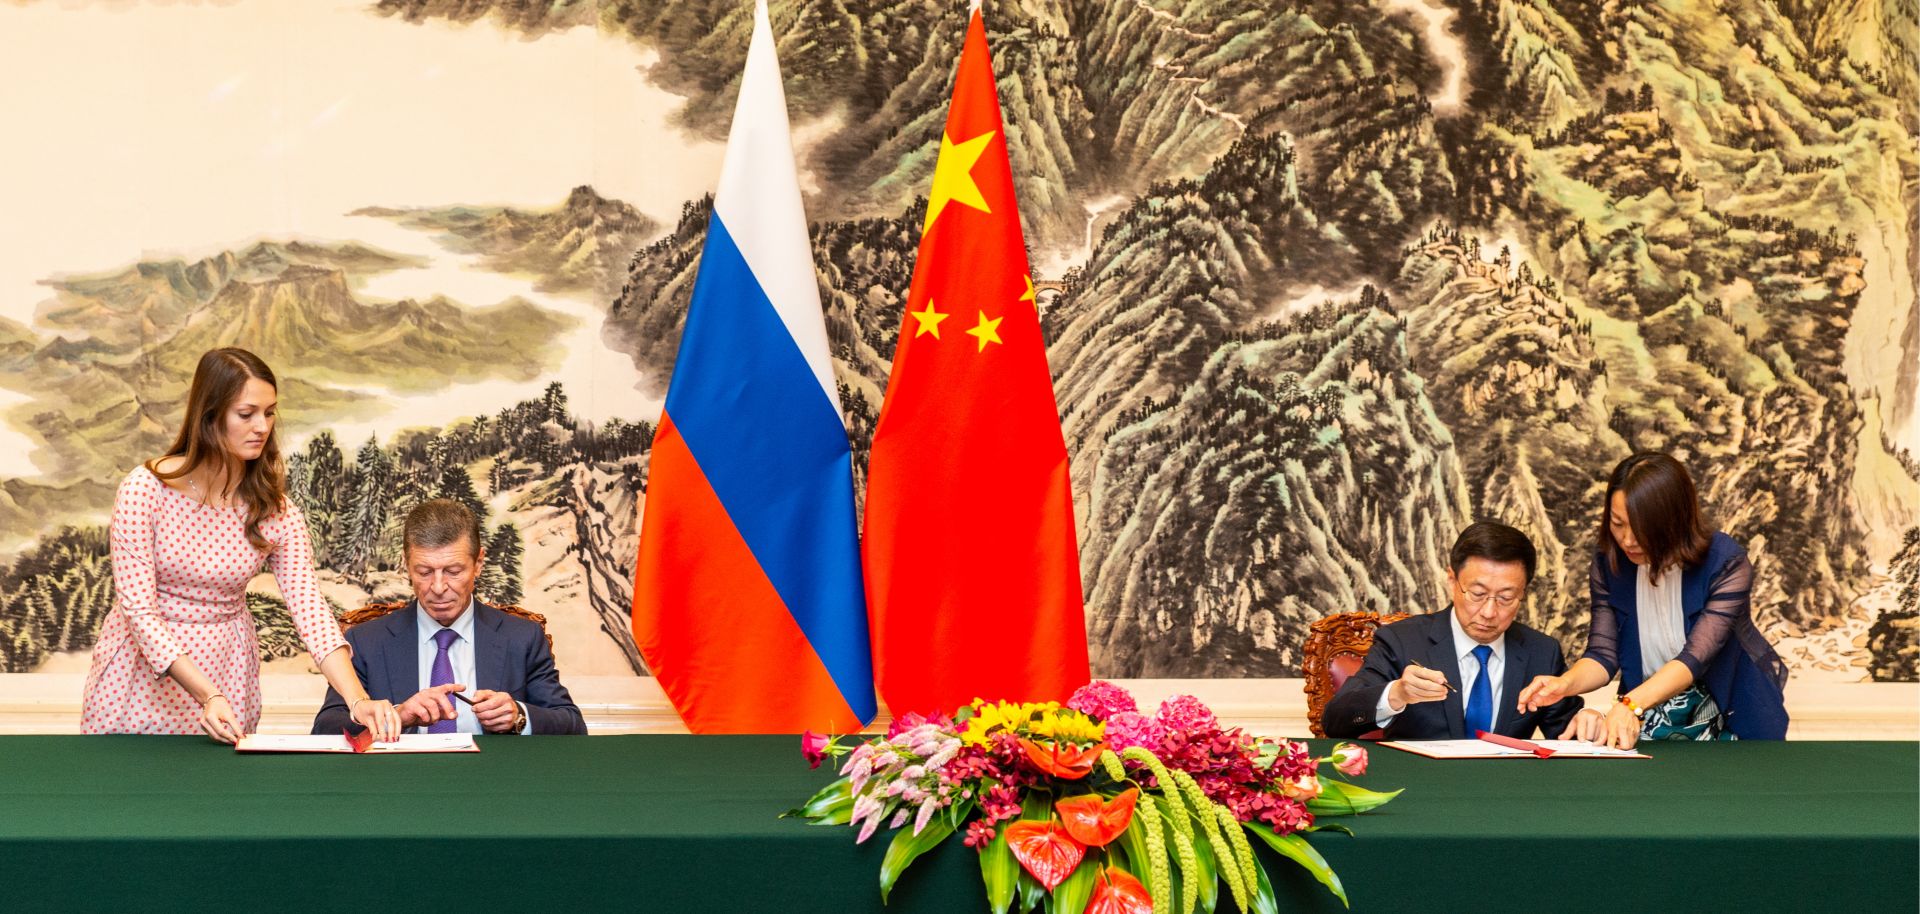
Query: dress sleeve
292, 564
1729, 600
1603, 633
135, 574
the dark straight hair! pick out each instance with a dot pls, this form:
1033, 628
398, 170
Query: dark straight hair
1495, 542
1663, 510
440, 522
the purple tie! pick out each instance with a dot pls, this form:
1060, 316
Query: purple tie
443, 674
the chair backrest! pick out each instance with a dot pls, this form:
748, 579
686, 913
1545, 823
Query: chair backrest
1336, 646
373, 611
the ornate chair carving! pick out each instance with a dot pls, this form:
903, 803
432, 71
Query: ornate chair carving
373, 611
1336, 647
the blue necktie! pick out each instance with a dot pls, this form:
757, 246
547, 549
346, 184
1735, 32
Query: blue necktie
1480, 699
443, 674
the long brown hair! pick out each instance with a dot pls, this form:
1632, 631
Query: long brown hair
217, 382
1663, 510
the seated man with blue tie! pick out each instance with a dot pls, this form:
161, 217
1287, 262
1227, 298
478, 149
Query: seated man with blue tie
452, 643
1452, 673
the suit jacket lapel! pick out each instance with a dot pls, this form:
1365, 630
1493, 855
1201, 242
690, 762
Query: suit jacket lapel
1440, 657
489, 649
403, 652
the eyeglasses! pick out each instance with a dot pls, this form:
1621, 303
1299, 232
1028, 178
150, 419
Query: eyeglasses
1478, 598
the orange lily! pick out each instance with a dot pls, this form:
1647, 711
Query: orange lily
1096, 822
1062, 760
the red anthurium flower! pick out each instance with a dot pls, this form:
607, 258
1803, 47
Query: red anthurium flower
1096, 822
1117, 892
1062, 760
1045, 849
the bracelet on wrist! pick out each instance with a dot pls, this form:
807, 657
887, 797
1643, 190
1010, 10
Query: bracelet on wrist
1632, 708
209, 699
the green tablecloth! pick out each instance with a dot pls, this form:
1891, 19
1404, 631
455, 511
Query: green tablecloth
688, 824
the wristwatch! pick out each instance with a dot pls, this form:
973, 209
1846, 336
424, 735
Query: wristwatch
519, 717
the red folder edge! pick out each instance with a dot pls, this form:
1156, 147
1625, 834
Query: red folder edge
1513, 743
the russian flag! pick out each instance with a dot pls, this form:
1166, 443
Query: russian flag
747, 602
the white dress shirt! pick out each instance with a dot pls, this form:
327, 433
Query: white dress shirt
460, 655
1463, 645
1662, 623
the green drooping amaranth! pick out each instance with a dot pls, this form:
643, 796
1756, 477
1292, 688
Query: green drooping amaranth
1223, 851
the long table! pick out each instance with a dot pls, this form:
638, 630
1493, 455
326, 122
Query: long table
682, 823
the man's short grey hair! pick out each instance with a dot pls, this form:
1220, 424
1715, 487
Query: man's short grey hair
441, 522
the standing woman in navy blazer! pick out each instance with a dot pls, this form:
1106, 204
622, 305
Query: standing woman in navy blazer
1673, 616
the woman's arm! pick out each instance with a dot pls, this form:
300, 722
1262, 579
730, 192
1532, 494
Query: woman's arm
1596, 667
292, 564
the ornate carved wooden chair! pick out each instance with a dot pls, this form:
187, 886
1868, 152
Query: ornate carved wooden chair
1336, 647
374, 611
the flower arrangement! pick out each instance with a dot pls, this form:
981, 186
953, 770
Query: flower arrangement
1092, 806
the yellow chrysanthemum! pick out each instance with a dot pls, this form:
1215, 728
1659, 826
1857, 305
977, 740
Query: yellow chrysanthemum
989, 716
1067, 726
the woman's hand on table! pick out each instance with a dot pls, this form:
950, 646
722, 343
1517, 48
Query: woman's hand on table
218, 720
1622, 728
379, 716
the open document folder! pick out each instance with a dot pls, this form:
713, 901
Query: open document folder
408, 743
1491, 745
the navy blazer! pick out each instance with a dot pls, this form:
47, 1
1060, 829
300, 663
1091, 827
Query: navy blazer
510, 655
1428, 640
1746, 676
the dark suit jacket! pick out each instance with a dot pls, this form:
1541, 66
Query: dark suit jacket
1428, 640
509, 655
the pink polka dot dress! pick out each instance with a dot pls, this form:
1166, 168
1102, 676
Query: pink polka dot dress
180, 573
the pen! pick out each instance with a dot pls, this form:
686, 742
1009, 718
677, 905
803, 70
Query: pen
1443, 680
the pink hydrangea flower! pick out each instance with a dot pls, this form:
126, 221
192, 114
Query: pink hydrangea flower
1186, 714
1101, 700
1127, 729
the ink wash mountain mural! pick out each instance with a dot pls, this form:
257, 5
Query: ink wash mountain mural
1323, 281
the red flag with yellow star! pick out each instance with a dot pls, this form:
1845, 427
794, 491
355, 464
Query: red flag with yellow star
972, 570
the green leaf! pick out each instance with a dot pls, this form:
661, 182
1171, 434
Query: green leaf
1330, 826
1032, 893
835, 797
1073, 894
1133, 845
906, 847
1297, 849
999, 871
1209, 871
1263, 900
1339, 798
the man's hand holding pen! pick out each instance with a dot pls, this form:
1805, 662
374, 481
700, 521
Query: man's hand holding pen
1417, 684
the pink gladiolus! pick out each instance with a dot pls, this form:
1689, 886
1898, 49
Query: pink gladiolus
814, 747
866, 830
900, 818
1350, 759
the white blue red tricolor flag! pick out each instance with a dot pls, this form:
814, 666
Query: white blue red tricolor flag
747, 602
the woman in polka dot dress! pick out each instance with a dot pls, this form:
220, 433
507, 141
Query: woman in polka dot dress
178, 653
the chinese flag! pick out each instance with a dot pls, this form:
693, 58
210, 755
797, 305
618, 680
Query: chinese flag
973, 579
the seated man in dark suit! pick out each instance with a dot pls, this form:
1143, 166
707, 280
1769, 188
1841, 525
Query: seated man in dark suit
1448, 674
445, 641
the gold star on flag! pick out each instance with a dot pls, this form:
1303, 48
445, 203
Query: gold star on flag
1029, 295
988, 331
953, 176
929, 320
